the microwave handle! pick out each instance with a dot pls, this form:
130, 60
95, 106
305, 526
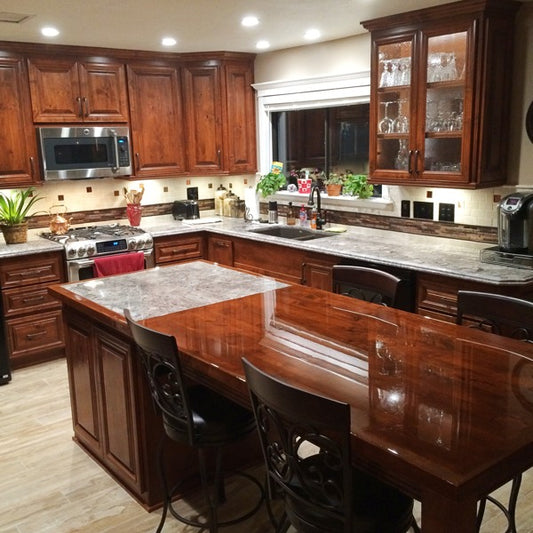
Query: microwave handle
116, 167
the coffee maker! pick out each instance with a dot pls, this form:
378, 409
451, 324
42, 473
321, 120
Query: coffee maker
515, 223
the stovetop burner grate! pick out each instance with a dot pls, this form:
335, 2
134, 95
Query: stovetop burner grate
94, 233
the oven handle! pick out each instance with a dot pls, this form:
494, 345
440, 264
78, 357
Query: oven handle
82, 263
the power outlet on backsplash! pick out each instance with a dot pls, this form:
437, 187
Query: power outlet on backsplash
406, 208
423, 210
447, 212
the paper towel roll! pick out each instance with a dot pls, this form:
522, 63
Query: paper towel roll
251, 202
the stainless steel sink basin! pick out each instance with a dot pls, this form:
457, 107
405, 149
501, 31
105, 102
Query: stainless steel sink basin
294, 233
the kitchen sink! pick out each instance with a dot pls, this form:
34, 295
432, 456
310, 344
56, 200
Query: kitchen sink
292, 232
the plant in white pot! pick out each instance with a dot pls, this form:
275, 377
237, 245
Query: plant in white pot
14, 209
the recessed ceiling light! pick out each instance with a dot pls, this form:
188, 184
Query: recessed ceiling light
262, 45
168, 41
250, 21
48, 31
312, 34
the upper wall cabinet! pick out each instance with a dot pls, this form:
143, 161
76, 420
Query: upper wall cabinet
440, 94
67, 90
220, 116
18, 147
156, 120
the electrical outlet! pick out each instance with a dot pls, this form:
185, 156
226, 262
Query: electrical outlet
423, 210
446, 212
406, 208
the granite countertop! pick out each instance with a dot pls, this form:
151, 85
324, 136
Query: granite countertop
146, 293
422, 253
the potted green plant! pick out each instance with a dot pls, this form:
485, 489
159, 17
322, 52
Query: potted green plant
357, 185
334, 183
13, 212
271, 183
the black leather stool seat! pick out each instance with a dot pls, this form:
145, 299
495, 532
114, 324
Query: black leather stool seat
216, 420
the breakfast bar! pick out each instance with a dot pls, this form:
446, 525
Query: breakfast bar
443, 412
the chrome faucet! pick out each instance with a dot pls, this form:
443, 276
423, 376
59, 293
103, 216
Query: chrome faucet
311, 203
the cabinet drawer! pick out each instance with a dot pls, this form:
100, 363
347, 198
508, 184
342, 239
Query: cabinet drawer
29, 270
176, 250
25, 300
35, 333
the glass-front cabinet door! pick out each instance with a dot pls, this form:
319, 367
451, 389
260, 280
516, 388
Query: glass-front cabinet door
439, 101
420, 95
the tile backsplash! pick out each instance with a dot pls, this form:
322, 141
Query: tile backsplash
470, 207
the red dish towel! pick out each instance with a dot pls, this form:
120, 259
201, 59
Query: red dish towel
118, 264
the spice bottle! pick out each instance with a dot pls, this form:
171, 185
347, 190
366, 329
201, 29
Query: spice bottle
291, 221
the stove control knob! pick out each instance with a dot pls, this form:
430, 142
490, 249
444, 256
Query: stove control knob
81, 251
91, 250
71, 253
132, 245
148, 241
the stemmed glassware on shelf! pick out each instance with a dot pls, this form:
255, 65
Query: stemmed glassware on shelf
401, 122
386, 123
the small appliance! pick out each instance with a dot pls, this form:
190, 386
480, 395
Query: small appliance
515, 223
83, 153
185, 209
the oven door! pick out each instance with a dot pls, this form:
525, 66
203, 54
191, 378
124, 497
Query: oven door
80, 269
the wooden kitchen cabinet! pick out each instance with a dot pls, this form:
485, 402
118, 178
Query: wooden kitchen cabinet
220, 116
220, 250
104, 420
436, 296
76, 90
32, 319
440, 95
157, 120
178, 248
19, 165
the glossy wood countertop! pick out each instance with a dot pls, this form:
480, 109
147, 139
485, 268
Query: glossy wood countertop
442, 411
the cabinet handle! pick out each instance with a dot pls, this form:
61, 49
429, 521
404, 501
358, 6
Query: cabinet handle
32, 273
80, 105
302, 277
138, 159
85, 103
33, 300
32, 166
32, 336
417, 153
410, 165
218, 157
222, 244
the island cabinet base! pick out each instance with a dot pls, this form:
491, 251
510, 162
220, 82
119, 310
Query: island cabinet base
114, 418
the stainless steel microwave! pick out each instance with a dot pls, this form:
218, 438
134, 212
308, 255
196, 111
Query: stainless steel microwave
83, 153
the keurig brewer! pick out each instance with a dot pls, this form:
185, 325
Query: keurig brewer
515, 223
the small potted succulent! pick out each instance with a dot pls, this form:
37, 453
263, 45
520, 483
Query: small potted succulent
357, 185
13, 212
334, 183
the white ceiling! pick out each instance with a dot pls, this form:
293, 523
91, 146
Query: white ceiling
197, 25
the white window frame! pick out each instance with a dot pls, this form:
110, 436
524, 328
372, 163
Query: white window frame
309, 93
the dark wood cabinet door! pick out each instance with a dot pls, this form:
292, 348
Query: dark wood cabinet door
220, 250
240, 119
55, 90
18, 146
82, 383
116, 385
202, 89
64, 90
156, 120
103, 92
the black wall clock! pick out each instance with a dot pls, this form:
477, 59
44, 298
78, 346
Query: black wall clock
529, 122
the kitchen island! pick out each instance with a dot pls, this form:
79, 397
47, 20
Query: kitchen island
426, 415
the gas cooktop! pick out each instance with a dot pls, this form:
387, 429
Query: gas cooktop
89, 241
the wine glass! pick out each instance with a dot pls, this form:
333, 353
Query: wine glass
386, 123
401, 122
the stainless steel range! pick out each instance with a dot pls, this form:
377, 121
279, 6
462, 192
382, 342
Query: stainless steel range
83, 244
